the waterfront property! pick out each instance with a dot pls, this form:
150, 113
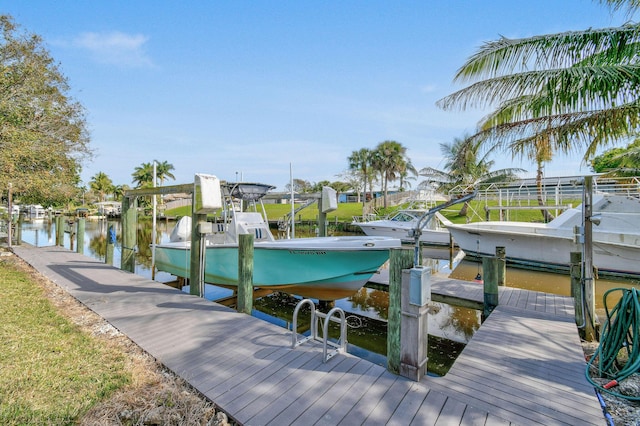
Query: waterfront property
524, 365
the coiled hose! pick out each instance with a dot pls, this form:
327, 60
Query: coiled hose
620, 335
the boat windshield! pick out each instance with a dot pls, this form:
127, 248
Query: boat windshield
403, 217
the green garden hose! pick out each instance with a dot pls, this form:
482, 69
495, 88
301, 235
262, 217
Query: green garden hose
620, 340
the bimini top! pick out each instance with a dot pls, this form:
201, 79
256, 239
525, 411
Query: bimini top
247, 191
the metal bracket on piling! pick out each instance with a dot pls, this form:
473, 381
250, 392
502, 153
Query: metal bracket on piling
340, 346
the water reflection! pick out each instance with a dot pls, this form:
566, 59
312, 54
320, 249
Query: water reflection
450, 328
43, 233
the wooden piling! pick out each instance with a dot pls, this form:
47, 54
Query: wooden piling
399, 259
490, 275
111, 242
59, 230
501, 260
72, 234
196, 268
80, 232
588, 278
576, 289
19, 230
245, 274
129, 217
322, 220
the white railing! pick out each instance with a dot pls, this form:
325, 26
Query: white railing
556, 190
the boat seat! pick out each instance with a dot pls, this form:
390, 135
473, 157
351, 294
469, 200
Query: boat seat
250, 223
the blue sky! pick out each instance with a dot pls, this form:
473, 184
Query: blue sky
246, 88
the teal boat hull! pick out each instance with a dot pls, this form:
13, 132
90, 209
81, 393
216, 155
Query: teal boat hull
285, 264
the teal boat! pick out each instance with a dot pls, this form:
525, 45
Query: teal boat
303, 266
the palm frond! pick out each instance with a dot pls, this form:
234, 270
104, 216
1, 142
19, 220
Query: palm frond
629, 5
506, 56
553, 91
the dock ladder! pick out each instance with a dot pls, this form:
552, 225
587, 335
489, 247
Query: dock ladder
316, 316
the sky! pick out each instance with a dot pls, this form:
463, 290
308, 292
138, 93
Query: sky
249, 90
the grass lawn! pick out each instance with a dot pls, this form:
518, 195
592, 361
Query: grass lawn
50, 371
346, 212
61, 364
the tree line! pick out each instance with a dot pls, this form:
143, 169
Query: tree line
142, 177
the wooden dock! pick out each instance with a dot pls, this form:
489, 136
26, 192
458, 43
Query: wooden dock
523, 366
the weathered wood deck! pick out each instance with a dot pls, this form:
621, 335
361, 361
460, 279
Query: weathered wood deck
524, 365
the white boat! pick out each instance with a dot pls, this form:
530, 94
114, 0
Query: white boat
34, 212
304, 266
109, 209
403, 222
616, 238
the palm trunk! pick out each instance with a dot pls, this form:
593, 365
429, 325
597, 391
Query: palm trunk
463, 210
385, 190
364, 189
548, 217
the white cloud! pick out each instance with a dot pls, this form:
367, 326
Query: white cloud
116, 48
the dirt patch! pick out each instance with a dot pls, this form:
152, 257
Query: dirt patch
156, 396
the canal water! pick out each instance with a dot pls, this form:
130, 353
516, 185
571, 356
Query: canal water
450, 327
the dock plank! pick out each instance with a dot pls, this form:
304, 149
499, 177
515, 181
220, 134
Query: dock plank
430, 409
389, 402
452, 413
290, 406
331, 396
508, 373
408, 407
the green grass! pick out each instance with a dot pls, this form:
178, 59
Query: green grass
50, 371
346, 212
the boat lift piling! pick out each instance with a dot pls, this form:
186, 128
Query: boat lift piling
245, 274
490, 284
575, 272
80, 234
407, 329
584, 238
111, 242
501, 256
327, 202
129, 219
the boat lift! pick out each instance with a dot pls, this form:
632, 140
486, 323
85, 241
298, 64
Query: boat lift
417, 230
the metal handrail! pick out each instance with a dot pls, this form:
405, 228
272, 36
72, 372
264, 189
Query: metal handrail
341, 346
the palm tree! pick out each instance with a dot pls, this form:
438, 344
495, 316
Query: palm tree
118, 191
555, 93
102, 185
143, 175
360, 162
163, 171
389, 159
467, 167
